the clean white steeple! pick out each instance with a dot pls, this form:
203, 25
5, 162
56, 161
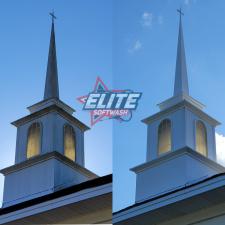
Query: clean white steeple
181, 79
181, 147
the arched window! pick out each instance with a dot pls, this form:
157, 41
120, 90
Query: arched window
164, 136
34, 140
69, 142
201, 138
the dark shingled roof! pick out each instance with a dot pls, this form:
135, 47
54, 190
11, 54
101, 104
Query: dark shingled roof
70, 190
168, 193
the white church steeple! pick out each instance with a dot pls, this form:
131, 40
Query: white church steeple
181, 146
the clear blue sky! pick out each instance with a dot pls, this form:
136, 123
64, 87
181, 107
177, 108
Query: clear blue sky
144, 55
84, 49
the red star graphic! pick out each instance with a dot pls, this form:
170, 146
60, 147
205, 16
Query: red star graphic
99, 87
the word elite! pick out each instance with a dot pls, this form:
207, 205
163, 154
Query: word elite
112, 101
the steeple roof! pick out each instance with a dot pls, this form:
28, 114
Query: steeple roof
51, 83
181, 90
51, 93
181, 79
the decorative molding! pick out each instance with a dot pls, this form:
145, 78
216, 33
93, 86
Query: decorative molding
52, 101
179, 98
47, 110
174, 154
186, 105
41, 158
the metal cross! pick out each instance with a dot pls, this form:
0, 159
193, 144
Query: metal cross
52, 14
180, 12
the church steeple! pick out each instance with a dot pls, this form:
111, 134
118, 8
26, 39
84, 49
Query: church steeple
181, 79
180, 140
50, 141
51, 83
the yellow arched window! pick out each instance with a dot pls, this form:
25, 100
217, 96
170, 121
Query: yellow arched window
164, 136
201, 138
34, 140
69, 142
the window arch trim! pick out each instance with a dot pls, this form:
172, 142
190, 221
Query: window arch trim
170, 137
40, 138
206, 137
74, 140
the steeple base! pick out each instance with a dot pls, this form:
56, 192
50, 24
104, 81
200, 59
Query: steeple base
172, 171
41, 175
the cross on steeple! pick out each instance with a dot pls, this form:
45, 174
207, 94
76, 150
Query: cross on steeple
180, 12
52, 14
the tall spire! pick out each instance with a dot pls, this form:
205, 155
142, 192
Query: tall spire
51, 83
181, 80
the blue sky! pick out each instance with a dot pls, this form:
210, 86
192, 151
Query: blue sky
84, 49
144, 55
